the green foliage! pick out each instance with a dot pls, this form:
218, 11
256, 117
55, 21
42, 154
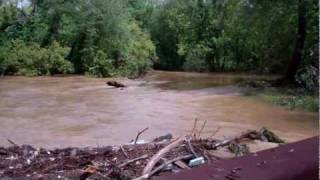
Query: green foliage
31, 60
308, 78
128, 37
101, 66
56, 59
293, 102
292, 99
237, 35
270, 136
140, 51
102, 37
196, 60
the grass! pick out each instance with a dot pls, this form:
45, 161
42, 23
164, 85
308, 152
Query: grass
289, 98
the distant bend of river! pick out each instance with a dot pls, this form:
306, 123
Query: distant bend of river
84, 111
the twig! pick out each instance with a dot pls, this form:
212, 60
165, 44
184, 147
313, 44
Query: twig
194, 127
124, 152
205, 154
145, 176
139, 133
13, 143
203, 126
214, 133
191, 147
155, 158
133, 160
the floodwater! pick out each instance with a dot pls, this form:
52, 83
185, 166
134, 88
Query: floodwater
83, 111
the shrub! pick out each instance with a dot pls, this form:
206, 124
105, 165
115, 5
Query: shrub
138, 68
140, 51
56, 58
195, 60
101, 66
307, 77
31, 60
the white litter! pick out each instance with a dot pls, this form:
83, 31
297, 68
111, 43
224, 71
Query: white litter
196, 162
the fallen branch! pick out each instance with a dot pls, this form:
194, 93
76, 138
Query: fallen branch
152, 162
181, 164
133, 160
166, 137
13, 143
124, 152
169, 162
145, 176
139, 133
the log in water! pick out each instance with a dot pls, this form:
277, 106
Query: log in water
83, 111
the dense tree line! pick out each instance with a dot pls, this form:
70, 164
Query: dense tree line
125, 37
238, 35
96, 37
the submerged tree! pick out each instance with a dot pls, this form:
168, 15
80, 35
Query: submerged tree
299, 45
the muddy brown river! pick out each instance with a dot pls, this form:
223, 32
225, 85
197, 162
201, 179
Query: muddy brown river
83, 111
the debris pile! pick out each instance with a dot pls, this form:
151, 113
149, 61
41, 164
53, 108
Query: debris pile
131, 161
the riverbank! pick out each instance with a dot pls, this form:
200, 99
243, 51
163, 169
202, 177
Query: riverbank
130, 161
288, 97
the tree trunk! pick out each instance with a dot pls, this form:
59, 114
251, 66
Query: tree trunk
35, 4
301, 36
53, 30
75, 52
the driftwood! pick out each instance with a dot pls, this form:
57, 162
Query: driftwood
169, 162
162, 138
133, 160
120, 162
115, 84
124, 152
181, 164
152, 162
145, 176
139, 133
13, 143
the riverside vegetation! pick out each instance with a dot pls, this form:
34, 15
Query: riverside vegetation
129, 37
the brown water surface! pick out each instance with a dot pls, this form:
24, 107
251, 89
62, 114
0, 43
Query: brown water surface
83, 111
